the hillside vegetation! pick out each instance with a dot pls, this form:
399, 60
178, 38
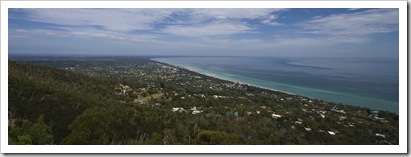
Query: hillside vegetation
152, 103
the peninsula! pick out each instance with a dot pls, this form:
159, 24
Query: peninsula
136, 100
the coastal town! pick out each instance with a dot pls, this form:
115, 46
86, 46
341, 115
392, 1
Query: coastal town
254, 115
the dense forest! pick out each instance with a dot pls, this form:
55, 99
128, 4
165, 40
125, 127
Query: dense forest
139, 101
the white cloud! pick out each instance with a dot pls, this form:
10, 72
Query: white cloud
122, 24
299, 42
318, 42
317, 17
206, 29
270, 20
25, 33
145, 38
108, 19
243, 13
205, 25
354, 27
83, 33
265, 16
214, 29
99, 36
352, 9
141, 19
218, 22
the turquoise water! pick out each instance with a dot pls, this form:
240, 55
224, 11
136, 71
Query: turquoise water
371, 83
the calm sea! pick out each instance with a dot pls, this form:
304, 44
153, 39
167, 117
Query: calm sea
364, 82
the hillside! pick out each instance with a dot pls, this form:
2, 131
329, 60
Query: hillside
57, 94
128, 101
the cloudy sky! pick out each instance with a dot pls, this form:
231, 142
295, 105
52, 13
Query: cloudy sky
230, 32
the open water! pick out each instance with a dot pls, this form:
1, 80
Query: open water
367, 82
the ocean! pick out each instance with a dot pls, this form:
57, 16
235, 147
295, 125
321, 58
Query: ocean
367, 82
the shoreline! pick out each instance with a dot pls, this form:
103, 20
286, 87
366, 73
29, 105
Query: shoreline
191, 69
214, 76
240, 82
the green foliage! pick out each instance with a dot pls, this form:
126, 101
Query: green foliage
162, 85
155, 139
92, 127
83, 107
59, 95
216, 138
31, 133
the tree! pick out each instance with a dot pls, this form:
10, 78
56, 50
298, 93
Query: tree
155, 139
28, 133
215, 137
162, 85
92, 127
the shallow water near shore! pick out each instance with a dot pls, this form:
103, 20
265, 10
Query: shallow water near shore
366, 82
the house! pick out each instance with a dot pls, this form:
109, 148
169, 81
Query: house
298, 122
196, 112
232, 114
263, 107
123, 89
236, 114
175, 109
380, 135
338, 111
156, 105
379, 118
331, 133
275, 115
139, 101
179, 109
307, 129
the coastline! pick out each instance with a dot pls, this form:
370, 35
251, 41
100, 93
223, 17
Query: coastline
225, 102
201, 72
219, 77
236, 81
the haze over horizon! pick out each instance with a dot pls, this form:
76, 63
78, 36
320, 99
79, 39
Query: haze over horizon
206, 32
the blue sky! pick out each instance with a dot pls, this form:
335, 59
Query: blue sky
310, 32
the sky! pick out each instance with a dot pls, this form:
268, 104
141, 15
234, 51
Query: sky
349, 32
